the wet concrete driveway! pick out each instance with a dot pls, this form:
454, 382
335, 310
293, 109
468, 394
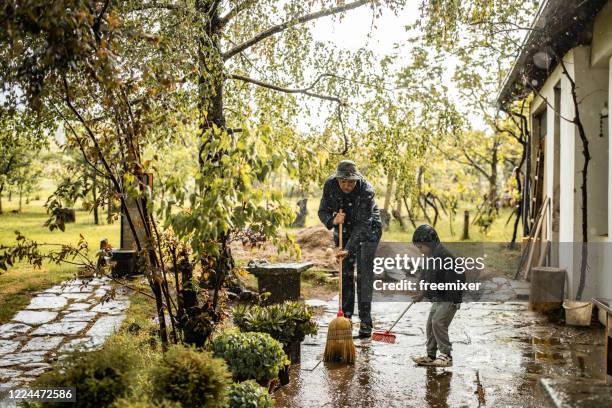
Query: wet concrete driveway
499, 351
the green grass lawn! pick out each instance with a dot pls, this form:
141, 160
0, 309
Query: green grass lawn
18, 284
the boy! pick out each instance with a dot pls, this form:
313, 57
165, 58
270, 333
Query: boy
444, 302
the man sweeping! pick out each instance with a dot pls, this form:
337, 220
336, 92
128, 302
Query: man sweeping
348, 201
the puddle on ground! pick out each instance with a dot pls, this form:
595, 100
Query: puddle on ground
500, 352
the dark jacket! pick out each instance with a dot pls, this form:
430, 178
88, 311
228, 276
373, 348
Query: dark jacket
439, 273
362, 223
437, 268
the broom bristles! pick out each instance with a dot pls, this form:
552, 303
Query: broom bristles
339, 345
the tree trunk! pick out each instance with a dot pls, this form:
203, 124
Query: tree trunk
188, 302
210, 105
20, 196
583, 189
450, 218
432, 204
109, 208
526, 187
1, 189
94, 193
398, 216
389, 192
493, 179
420, 172
519, 210
410, 214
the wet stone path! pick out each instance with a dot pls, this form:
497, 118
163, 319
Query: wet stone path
500, 352
60, 319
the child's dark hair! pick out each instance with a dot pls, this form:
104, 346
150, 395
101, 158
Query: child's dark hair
427, 235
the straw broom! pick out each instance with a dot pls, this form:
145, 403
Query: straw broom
339, 345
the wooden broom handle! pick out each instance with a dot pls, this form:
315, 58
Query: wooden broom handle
340, 273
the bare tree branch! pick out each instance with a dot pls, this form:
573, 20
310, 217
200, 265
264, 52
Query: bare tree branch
300, 20
304, 91
475, 164
234, 12
153, 6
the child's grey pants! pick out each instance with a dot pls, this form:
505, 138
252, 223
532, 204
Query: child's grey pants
440, 317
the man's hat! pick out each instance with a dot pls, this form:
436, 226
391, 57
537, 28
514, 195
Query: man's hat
347, 170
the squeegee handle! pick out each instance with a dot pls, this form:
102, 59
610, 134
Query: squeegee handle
400, 317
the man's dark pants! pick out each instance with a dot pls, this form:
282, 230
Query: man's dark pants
364, 260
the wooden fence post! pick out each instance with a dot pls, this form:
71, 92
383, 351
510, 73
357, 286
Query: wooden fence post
466, 225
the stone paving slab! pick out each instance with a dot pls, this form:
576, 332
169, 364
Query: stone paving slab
34, 317
83, 343
112, 307
35, 372
9, 330
60, 319
8, 346
54, 289
79, 316
67, 328
76, 296
105, 325
79, 306
100, 292
7, 373
17, 359
76, 289
47, 302
43, 343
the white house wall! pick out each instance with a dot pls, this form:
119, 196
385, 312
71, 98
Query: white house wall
592, 89
592, 92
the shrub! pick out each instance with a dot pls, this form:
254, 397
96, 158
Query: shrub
193, 378
99, 376
144, 402
249, 394
285, 322
250, 356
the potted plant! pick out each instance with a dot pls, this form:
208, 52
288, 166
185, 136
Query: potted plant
250, 356
288, 322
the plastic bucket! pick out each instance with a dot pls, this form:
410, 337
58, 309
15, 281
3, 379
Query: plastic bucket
577, 313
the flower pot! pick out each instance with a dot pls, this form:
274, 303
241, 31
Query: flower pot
283, 375
271, 385
578, 313
294, 351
